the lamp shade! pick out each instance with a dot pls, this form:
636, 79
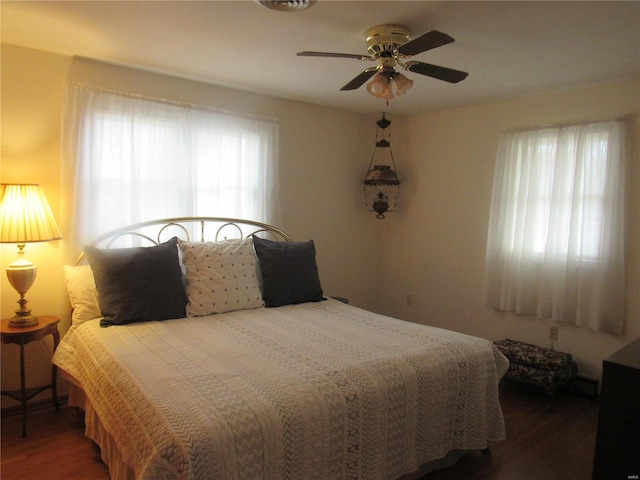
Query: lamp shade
402, 84
25, 215
379, 86
381, 190
381, 175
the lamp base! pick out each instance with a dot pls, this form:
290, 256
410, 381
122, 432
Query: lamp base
20, 321
23, 317
21, 274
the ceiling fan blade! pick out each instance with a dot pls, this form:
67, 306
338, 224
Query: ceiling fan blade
429, 40
334, 55
441, 73
360, 79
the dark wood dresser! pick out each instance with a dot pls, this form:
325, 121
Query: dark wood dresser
617, 453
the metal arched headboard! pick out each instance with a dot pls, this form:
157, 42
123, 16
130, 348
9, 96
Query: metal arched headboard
154, 232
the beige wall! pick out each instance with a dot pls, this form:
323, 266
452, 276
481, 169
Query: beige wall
322, 162
436, 248
31, 99
432, 248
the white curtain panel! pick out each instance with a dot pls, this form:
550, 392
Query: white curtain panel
555, 246
135, 159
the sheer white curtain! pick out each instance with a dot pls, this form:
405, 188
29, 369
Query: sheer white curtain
136, 159
555, 246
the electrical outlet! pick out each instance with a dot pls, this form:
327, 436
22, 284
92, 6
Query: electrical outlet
553, 333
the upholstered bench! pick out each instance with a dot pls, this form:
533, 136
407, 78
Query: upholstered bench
539, 366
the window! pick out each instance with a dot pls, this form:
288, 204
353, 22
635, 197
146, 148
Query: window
137, 159
555, 243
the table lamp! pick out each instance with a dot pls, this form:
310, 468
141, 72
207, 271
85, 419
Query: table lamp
25, 217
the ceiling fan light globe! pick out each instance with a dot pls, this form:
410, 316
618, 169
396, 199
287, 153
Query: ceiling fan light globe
378, 86
375, 89
387, 93
402, 84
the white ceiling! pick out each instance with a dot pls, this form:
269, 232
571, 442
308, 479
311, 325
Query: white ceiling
509, 48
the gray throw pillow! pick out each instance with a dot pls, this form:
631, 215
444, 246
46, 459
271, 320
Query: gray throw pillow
289, 272
138, 284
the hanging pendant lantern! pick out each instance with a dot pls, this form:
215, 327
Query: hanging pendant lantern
381, 183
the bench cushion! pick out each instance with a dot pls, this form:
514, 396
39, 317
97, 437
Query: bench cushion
531, 355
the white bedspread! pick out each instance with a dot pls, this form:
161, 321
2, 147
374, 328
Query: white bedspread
313, 391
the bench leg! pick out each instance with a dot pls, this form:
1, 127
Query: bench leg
551, 393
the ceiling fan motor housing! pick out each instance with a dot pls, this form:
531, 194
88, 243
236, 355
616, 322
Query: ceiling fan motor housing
386, 38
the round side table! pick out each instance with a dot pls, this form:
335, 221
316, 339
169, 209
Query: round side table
47, 325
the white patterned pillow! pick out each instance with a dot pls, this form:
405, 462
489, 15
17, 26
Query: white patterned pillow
83, 295
221, 276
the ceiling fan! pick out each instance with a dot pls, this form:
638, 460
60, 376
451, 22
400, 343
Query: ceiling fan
390, 46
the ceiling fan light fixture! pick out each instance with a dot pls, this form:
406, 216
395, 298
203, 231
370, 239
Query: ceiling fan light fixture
402, 84
379, 86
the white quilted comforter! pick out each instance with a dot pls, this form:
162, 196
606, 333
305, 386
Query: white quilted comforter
313, 391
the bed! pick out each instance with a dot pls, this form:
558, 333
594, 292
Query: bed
274, 383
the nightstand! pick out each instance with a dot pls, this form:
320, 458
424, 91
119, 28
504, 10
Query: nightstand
47, 325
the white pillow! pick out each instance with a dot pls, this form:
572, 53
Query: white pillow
83, 295
221, 276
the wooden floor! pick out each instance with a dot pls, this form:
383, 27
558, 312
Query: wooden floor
540, 445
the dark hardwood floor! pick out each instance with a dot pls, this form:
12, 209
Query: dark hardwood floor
540, 445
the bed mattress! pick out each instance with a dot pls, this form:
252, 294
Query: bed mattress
312, 391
